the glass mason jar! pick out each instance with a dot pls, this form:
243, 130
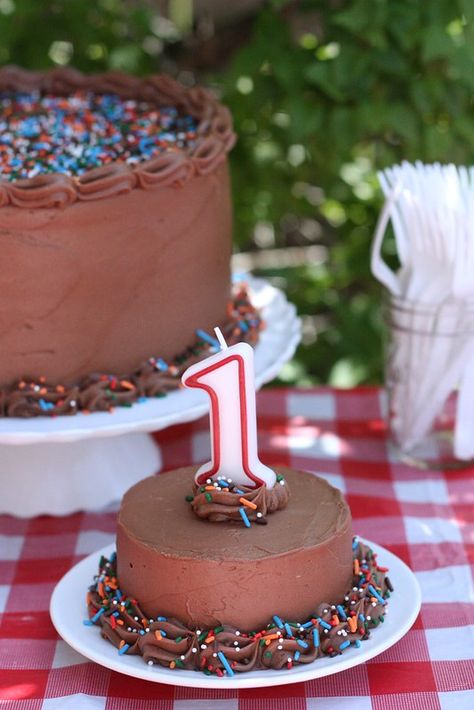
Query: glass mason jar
429, 357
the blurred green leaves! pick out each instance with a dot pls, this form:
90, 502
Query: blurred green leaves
89, 35
358, 85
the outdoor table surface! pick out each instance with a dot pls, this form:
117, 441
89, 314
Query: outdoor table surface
424, 517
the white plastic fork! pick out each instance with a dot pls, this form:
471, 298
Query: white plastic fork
464, 429
380, 269
432, 211
463, 287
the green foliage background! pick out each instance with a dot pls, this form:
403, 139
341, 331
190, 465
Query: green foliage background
323, 94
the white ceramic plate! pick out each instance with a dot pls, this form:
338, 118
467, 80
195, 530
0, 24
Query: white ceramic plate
276, 346
68, 609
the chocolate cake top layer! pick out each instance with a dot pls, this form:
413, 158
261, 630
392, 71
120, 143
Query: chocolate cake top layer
156, 514
211, 127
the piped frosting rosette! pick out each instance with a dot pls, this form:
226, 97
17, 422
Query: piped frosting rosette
222, 500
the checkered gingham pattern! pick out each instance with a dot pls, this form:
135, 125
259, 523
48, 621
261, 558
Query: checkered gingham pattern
426, 518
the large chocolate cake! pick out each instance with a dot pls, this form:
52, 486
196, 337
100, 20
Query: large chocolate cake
115, 235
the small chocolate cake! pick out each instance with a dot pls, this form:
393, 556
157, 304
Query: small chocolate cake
197, 583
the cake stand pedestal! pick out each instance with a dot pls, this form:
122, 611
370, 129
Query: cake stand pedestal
34, 477
84, 462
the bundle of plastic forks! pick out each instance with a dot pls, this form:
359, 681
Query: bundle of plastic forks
432, 298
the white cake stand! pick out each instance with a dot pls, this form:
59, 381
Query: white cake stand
61, 465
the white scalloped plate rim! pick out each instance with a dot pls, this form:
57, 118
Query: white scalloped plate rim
68, 609
277, 344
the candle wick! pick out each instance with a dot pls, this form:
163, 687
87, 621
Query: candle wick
220, 338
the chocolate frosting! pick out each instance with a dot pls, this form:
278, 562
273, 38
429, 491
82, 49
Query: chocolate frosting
329, 630
101, 392
206, 575
215, 138
217, 503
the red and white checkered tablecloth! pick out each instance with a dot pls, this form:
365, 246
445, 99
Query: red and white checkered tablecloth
426, 518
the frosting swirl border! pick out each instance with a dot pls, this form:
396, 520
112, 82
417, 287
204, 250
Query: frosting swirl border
222, 500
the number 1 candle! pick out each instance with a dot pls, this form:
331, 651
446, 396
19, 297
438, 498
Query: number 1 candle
228, 379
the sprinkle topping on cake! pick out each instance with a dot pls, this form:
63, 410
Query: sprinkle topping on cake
44, 133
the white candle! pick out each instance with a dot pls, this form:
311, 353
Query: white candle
228, 378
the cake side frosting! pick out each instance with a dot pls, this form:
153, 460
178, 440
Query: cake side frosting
332, 628
103, 285
212, 132
153, 377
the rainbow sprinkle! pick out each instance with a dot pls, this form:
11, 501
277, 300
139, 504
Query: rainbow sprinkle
43, 133
244, 517
225, 663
